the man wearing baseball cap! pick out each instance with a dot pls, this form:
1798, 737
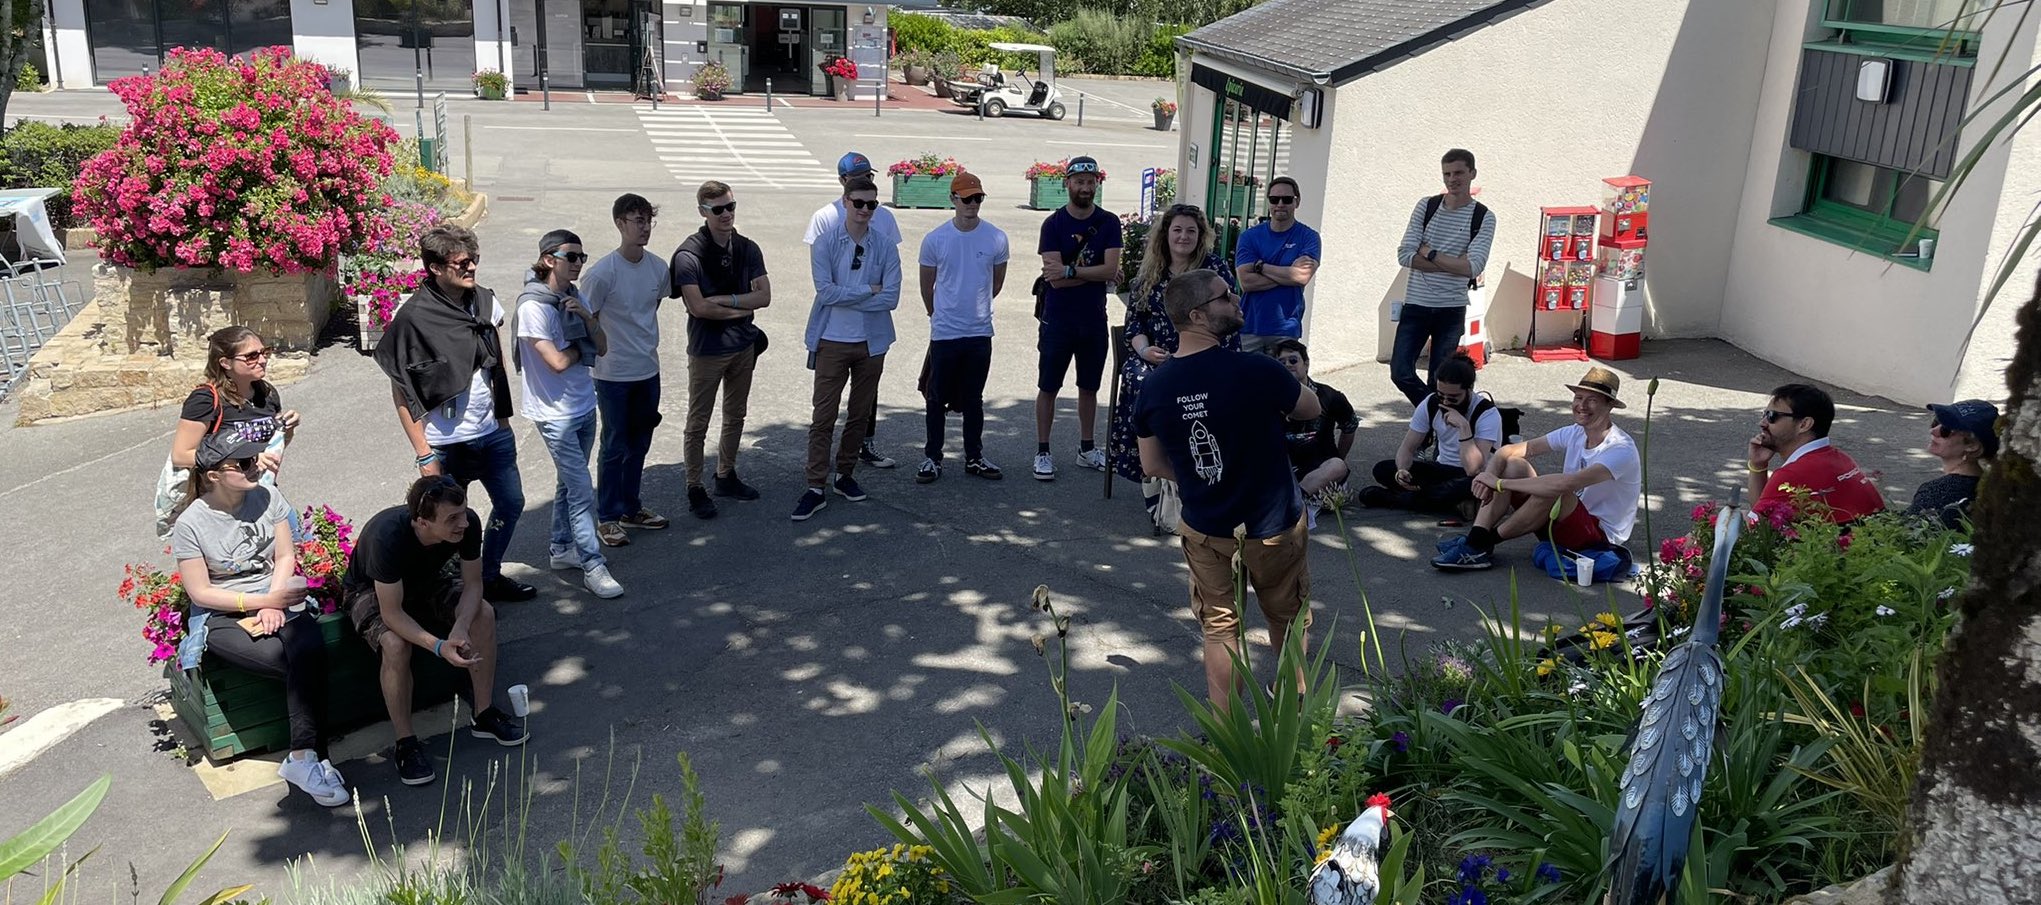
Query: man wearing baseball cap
1793, 428
828, 218
1596, 490
1080, 248
963, 267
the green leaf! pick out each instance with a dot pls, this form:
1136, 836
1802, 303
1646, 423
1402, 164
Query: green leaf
35, 843
190, 873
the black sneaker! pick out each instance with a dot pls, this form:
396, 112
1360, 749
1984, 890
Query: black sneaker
502, 727
929, 471
698, 502
505, 589
979, 468
414, 766
813, 500
870, 456
731, 486
1373, 496
848, 488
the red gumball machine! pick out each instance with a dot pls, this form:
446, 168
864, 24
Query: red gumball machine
1566, 255
1616, 324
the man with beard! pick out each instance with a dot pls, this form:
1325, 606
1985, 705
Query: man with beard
1213, 420
1794, 429
1080, 250
721, 277
1596, 492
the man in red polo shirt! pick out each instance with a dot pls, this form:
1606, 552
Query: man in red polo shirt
1793, 429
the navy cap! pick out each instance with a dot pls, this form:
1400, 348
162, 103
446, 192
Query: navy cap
1975, 417
852, 164
226, 446
1080, 165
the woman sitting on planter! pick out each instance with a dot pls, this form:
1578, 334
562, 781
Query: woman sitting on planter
235, 401
1964, 436
1181, 241
238, 566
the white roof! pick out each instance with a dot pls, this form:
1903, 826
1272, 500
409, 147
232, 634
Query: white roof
1021, 48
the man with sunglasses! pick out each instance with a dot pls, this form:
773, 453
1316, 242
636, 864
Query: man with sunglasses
827, 219
452, 391
850, 327
1080, 250
1213, 420
625, 288
720, 276
1274, 262
963, 267
1793, 429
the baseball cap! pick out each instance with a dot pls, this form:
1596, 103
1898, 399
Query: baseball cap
1080, 165
966, 184
1975, 417
853, 163
224, 447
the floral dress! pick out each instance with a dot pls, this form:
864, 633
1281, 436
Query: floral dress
1121, 452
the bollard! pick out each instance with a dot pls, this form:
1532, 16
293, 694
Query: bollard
545, 89
421, 89
468, 148
1080, 109
879, 97
768, 95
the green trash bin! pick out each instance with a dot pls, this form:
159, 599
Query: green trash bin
428, 156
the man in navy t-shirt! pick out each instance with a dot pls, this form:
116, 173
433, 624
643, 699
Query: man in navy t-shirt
1213, 421
1080, 257
1275, 261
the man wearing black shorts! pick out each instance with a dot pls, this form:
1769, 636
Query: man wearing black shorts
398, 596
1080, 250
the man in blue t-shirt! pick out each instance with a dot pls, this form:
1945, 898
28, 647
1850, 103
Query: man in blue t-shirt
1214, 421
1080, 251
1275, 261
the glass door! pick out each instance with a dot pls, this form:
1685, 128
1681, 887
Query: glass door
1249, 148
828, 28
729, 42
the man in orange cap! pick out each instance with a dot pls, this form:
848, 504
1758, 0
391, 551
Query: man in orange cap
963, 266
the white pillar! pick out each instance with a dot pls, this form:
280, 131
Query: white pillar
323, 32
69, 51
492, 37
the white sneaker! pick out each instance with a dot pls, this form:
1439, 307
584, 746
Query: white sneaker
317, 778
566, 561
1093, 458
1045, 467
598, 582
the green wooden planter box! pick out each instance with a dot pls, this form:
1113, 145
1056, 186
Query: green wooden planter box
236, 713
1049, 194
922, 191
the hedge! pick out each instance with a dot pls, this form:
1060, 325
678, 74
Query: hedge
37, 154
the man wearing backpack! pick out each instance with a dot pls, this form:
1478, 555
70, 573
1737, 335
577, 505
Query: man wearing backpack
1446, 248
1466, 428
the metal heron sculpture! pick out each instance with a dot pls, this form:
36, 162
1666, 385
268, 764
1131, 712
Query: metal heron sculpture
1669, 751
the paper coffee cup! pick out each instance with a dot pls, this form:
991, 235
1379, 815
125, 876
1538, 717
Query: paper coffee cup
1583, 570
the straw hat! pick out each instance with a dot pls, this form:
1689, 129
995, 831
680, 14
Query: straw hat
1600, 380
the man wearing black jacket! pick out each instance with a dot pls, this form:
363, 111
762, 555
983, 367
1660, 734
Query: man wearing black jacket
452, 391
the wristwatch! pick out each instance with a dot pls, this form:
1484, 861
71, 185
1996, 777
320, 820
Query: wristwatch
1258, 266
1432, 255
1070, 271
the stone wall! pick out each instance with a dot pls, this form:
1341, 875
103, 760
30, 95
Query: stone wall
141, 340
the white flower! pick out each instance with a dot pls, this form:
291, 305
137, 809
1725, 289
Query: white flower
1946, 593
1886, 611
1817, 621
1795, 611
1682, 630
1961, 549
1791, 622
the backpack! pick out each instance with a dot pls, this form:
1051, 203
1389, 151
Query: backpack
1431, 206
1512, 419
173, 484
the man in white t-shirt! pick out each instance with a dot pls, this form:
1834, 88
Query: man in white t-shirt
829, 218
963, 267
1467, 429
625, 289
1597, 491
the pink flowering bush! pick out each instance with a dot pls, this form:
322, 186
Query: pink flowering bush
237, 164
388, 271
926, 165
323, 554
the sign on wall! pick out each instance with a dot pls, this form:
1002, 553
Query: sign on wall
1241, 91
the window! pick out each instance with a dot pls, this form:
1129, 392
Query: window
1919, 14
1867, 207
1935, 28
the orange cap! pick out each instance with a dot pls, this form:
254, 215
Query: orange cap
966, 184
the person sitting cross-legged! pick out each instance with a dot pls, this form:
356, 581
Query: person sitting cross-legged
1319, 445
1467, 429
398, 596
1596, 492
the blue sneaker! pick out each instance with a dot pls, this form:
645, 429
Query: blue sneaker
1462, 558
1449, 543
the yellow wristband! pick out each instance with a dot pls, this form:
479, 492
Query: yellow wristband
1757, 469
1498, 485
241, 601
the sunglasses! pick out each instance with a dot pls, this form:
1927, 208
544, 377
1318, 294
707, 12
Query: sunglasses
1942, 431
857, 258
718, 210
871, 205
464, 265
972, 199
245, 466
1282, 199
572, 257
1223, 295
255, 356
1771, 416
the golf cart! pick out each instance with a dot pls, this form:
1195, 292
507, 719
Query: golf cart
996, 94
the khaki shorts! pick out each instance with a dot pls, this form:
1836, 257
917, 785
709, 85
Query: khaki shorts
435, 614
1277, 569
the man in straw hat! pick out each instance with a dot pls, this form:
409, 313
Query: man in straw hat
1596, 493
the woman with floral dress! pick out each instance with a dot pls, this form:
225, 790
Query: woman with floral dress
1181, 241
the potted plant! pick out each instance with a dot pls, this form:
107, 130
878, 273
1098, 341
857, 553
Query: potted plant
711, 81
842, 75
339, 81
1045, 184
924, 181
945, 67
492, 85
915, 66
1165, 113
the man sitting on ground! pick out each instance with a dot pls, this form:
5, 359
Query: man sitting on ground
1597, 492
1317, 458
1794, 428
398, 595
1466, 428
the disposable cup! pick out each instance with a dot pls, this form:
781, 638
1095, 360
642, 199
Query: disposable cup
1583, 570
520, 700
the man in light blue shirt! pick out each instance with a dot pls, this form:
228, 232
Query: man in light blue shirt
1274, 262
850, 327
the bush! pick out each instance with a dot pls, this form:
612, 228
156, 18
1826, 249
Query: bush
973, 46
1158, 57
237, 164
917, 32
41, 155
1102, 43
29, 76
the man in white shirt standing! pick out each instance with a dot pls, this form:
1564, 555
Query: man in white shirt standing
625, 289
829, 218
850, 327
963, 267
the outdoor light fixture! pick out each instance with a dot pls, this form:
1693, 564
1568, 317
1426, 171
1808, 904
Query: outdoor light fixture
1874, 80
870, 15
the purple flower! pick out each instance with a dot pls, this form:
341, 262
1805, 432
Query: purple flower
1469, 895
1449, 706
1548, 872
1401, 740
1473, 868
1502, 875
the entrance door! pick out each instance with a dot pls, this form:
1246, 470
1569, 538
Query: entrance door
729, 40
1249, 148
607, 30
559, 43
828, 31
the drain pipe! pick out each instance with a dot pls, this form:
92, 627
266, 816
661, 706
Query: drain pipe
502, 65
56, 45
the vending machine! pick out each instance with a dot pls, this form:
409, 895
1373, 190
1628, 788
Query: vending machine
1565, 279
1616, 324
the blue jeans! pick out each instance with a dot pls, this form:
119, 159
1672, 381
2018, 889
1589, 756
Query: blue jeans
630, 410
1418, 324
571, 442
493, 461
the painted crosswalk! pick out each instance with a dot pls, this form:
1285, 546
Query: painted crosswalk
748, 148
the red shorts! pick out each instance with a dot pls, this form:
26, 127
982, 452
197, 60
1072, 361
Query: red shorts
1576, 530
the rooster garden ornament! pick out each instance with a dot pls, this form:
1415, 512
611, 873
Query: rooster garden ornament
1351, 875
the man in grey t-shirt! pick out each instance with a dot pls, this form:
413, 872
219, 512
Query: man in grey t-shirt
1446, 248
625, 289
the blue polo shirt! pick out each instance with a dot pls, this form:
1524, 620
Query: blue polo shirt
1278, 311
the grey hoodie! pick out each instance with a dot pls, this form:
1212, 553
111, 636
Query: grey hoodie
575, 329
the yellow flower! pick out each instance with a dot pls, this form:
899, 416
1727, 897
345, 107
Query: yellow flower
1545, 667
1610, 620
1603, 640
1552, 631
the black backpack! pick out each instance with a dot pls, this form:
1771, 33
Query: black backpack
1431, 206
1512, 419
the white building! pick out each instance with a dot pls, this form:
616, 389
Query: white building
1780, 200
393, 45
